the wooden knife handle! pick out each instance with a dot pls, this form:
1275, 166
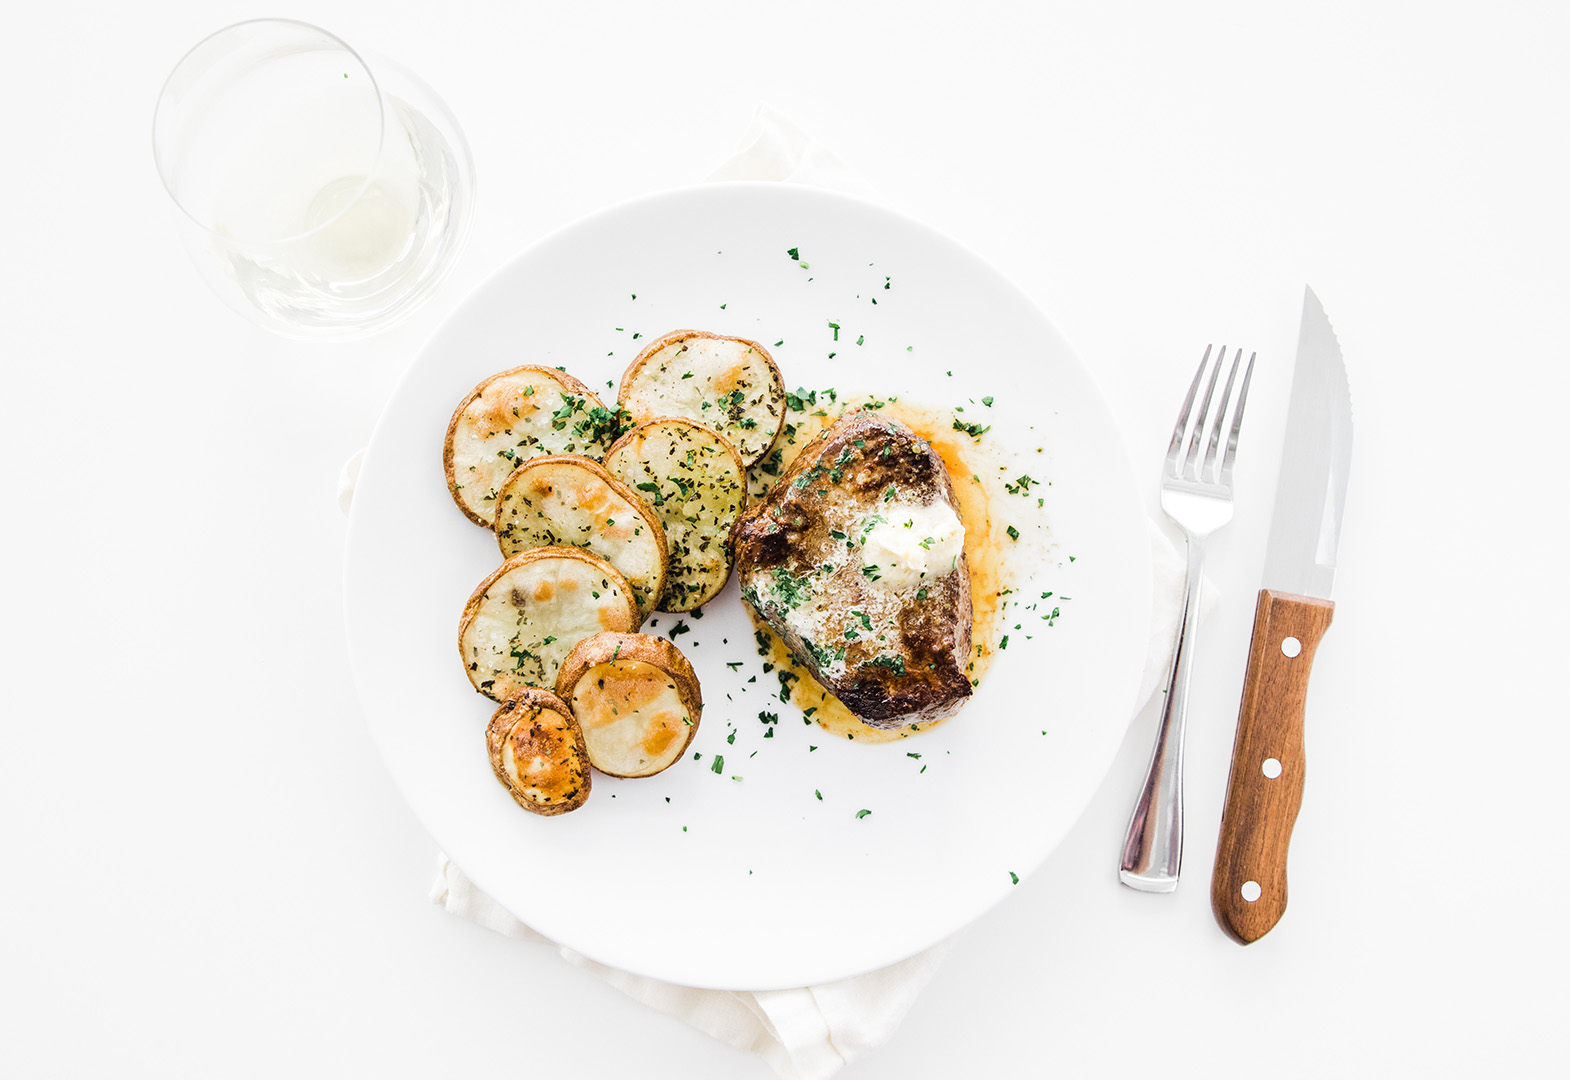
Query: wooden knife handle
1256, 825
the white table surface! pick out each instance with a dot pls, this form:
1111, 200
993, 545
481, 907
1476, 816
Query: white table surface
207, 871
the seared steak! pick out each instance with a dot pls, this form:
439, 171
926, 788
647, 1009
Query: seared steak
856, 560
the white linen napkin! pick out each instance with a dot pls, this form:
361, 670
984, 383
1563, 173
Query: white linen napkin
811, 1032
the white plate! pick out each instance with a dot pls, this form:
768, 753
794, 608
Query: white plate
756, 883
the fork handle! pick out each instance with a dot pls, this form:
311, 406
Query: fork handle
1153, 846
1256, 825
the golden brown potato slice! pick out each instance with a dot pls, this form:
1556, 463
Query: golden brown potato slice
635, 697
533, 608
570, 501
513, 416
694, 479
538, 753
730, 384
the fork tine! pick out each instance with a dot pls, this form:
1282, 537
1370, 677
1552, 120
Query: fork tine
1191, 463
1182, 420
1237, 422
1221, 415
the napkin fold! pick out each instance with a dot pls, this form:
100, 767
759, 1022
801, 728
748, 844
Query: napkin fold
772, 147
804, 1033
810, 1032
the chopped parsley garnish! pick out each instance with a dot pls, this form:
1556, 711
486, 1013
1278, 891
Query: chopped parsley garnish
975, 431
861, 814
824, 655
1013, 532
896, 664
801, 399
570, 405
791, 590
601, 424
719, 764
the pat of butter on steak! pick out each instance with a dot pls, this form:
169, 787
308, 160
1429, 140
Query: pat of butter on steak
856, 559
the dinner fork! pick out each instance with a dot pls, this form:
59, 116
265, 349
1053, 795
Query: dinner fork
1196, 493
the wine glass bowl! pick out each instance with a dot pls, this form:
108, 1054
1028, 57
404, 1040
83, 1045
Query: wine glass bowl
320, 192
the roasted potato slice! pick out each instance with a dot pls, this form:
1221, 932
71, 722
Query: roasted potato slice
635, 697
730, 384
695, 481
513, 416
569, 501
538, 753
522, 620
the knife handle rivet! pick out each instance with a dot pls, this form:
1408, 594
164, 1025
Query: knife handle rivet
1251, 891
1291, 646
1271, 768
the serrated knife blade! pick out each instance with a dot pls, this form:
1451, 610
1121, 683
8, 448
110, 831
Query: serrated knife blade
1248, 888
1305, 529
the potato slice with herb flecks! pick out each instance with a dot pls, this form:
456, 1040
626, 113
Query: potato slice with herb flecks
635, 697
730, 384
532, 609
567, 500
538, 753
694, 480
511, 417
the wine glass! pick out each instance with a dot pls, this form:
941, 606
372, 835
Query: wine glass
320, 195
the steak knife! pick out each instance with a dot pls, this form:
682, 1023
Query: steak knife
1248, 888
